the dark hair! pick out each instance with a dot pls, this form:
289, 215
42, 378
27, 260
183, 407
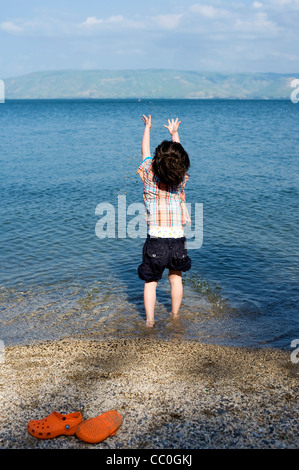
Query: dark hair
170, 163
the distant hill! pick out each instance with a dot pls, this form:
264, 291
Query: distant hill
148, 84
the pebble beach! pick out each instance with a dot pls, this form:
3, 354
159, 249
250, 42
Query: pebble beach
172, 394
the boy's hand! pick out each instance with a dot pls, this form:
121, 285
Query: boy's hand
145, 146
173, 127
147, 121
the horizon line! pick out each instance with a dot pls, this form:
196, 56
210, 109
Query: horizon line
152, 70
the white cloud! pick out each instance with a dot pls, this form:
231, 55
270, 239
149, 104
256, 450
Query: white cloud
283, 55
291, 4
202, 34
259, 24
208, 11
10, 27
116, 19
92, 21
282, 2
170, 21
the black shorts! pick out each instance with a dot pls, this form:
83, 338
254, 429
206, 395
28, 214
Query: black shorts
161, 253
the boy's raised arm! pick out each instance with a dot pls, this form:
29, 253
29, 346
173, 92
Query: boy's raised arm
145, 146
173, 127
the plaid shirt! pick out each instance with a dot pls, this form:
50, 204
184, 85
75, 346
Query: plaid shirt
164, 205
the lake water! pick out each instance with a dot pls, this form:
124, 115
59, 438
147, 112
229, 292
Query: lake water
60, 159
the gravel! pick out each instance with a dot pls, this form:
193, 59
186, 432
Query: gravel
171, 394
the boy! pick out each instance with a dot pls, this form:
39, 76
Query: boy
164, 179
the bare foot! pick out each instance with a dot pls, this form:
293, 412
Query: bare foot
174, 315
149, 324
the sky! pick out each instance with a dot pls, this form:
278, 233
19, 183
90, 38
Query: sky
217, 36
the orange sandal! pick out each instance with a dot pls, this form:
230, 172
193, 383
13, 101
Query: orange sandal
97, 429
54, 425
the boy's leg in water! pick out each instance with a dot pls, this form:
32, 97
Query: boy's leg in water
176, 286
150, 301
